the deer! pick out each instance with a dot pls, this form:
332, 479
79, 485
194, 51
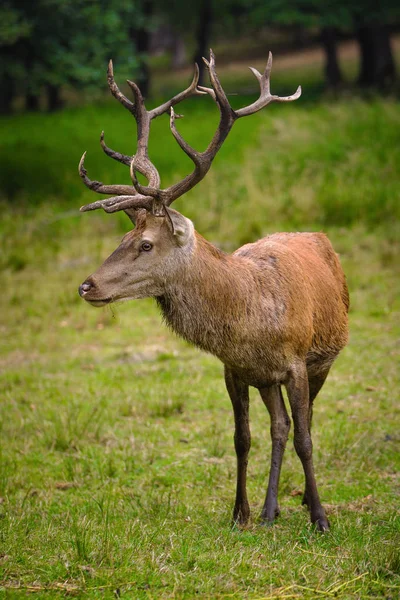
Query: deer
274, 312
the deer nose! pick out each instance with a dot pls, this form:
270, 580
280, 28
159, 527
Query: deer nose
85, 288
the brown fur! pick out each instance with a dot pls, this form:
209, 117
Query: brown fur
274, 312
280, 298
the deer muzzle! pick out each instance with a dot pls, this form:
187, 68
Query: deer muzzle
87, 291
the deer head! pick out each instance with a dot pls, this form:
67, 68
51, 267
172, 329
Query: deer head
146, 259
163, 240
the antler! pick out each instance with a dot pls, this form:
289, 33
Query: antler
126, 196
151, 196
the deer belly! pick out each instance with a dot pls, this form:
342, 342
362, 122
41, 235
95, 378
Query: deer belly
258, 369
260, 378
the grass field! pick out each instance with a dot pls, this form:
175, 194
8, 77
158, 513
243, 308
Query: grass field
117, 468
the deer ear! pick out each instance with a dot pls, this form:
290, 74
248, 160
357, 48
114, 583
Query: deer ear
182, 228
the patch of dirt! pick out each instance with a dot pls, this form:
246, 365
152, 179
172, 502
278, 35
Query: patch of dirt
17, 358
312, 56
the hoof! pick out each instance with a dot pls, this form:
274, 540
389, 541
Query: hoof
266, 522
268, 516
321, 524
241, 515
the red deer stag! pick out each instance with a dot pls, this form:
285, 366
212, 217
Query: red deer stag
274, 312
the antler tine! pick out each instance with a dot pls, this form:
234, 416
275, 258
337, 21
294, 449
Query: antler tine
191, 153
137, 94
208, 91
201, 165
146, 190
265, 95
192, 90
122, 158
220, 96
99, 187
141, 162
116, 92
118, 203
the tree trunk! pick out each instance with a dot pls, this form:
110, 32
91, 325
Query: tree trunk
385, 70
7, 92
178, 52
141, 40
32, 96
54, 101
332, 69
300, 36
203, 35
377, 66
31, 101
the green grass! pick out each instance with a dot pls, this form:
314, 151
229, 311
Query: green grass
117, 468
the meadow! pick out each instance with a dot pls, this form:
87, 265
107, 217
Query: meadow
117, 467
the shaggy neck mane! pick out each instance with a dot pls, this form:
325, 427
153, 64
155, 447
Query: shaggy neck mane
211, 297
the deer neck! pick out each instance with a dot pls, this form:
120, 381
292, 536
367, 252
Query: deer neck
206, 303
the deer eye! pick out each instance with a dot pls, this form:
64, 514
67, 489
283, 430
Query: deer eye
146, 246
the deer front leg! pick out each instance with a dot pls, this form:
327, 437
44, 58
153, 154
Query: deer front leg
239, 395
280, 426
298, 394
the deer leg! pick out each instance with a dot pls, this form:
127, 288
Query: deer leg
315, 383
298, 394
239, 395
280, 425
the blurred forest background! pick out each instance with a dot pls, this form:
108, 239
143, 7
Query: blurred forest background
49, 47
116, 459
53, 56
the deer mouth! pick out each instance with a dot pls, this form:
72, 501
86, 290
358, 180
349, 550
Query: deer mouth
99, 303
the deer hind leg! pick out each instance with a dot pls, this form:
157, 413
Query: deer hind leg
280, 426
239, 395
299, 399
315, 383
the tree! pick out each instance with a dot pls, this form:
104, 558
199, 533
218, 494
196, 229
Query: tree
333, 73
368, 20
197, 17
201, 17
202, 34
328, 18
372, 26
139, 33
14, 27
47, 44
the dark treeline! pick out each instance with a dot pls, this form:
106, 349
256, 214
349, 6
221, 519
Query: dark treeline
49, 44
